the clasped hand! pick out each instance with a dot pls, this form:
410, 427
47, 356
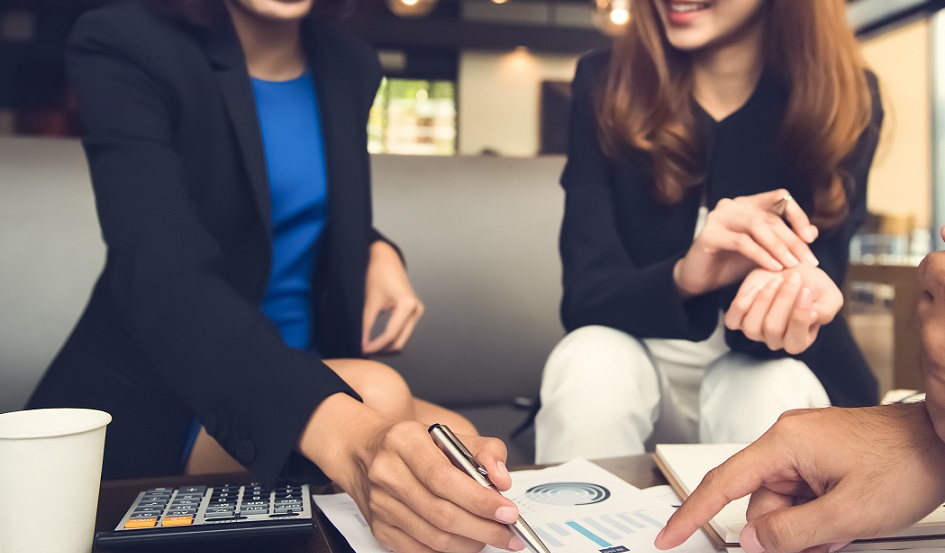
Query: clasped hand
744, 233
785, 309
764, 239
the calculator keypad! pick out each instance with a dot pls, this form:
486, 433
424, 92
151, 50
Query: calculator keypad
202, 505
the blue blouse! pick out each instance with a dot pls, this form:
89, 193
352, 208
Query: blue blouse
295, 162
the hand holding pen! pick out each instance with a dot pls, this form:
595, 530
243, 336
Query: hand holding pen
464, 460
412, 498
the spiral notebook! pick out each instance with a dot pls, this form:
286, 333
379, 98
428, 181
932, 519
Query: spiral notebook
684, 466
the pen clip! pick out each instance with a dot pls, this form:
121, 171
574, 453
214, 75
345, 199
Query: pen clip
461, 448
464, 450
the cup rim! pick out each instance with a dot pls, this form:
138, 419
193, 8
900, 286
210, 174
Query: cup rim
60, 422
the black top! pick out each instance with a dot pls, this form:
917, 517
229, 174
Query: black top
619, 245
174, 327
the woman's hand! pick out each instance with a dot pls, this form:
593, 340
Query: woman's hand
742, 234
785, 310
388, 289
413, 498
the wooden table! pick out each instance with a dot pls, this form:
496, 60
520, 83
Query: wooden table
906, 343
116, 496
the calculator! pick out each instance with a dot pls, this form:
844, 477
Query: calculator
186, 514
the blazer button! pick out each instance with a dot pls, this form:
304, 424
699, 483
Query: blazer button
245, 452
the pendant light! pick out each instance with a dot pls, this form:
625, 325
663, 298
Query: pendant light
411, 8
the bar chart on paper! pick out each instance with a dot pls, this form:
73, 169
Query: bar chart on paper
580, 507
609, 533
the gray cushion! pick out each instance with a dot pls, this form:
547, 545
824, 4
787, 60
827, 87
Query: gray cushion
480, 237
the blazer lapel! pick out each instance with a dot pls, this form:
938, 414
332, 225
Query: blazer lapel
232, 77
346, 161
338, 112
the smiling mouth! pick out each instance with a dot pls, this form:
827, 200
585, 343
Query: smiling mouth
687, 7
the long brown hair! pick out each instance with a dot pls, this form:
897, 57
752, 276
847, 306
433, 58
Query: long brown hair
810, 48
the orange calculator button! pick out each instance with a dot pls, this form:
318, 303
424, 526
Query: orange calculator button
141, 523
178, 521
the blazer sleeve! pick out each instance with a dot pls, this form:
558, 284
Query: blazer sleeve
832, 248
215, 348
602, 284
370, 71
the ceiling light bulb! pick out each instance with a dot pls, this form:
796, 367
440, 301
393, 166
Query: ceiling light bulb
620, 16
612, 16
411, 8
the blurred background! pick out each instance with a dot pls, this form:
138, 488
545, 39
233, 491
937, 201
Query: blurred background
476, 90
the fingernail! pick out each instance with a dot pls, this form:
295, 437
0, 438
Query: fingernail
508, 515
812, 259
515, 544
837, 547
791, 260
811, 234
749, 540
753, 292
775, 283
795, 279
503, 470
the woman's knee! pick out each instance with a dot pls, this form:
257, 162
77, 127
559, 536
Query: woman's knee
784, 382
596, 352
742, 397
380, 387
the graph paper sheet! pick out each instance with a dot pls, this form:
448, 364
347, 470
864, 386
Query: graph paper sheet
576, 507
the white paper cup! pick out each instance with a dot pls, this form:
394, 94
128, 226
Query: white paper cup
50, 471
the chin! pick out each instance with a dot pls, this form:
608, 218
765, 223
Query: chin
688, 42
278, 10
290, 13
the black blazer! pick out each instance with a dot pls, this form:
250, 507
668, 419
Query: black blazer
619, 245
174, 327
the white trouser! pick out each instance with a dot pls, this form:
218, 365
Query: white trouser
603, 395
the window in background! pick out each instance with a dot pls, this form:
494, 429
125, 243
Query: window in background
413, 117
900, 186
881, 288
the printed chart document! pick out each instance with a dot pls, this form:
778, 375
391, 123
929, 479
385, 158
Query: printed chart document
576, 507
684, 465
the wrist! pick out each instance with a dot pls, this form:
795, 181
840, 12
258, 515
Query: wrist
338, 436
382, 250
684, 292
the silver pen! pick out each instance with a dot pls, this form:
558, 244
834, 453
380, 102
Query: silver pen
462, 459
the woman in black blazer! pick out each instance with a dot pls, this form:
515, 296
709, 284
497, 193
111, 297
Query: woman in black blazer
175, 330
700, 300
